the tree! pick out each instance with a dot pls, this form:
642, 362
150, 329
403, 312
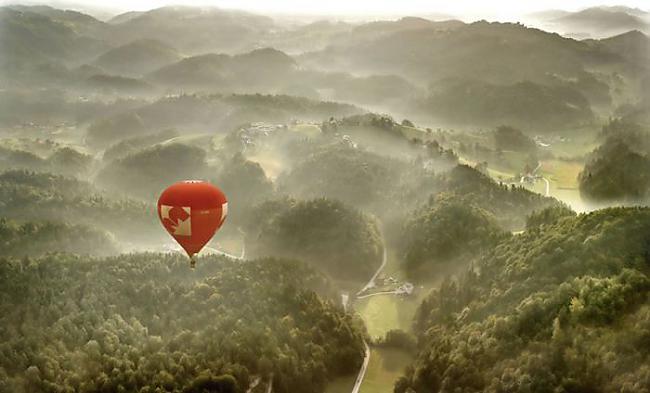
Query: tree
223, 323
408, 123
541, 311
618, 170
330, 235
245, 184
444, 231
209, 384
149, 171
548, 216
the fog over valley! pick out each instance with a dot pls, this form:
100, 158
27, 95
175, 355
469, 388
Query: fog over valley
333, 197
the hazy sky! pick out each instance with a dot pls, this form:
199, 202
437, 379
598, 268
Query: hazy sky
493, 9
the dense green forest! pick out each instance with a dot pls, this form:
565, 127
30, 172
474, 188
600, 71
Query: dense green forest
445, 231
509, 204
245, 183
146, 172
36, 238
336, 238
523, 104
144, 323
352, 175
561, 307
33, 196
468, 215
64, 160
424, 203
619, 169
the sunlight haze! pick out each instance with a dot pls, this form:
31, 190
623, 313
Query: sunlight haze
463, 9
324, 196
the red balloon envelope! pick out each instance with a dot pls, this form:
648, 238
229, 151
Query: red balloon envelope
192, 211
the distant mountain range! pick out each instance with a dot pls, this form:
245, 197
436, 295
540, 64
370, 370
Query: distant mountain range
595, 22
417, 67
138, 57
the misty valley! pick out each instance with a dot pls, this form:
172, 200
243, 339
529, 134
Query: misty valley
415, 204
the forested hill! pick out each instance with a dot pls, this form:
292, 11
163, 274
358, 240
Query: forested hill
562, 307
337, 239
144, 323
618, 171
29, 196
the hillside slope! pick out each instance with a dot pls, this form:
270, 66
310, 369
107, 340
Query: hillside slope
562, 307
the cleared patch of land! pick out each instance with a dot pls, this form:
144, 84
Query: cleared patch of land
386, 365
341, 384
563, 173
383, 313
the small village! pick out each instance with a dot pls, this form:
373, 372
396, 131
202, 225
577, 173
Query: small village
388, 285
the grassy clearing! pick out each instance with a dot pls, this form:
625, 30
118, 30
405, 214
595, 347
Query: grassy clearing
579, 144
563, 176
341, 384
385, 312
386, 365
563, 173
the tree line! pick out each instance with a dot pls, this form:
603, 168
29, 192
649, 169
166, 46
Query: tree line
146, 323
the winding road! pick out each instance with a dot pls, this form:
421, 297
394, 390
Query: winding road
370, 284
394, 292
362, 372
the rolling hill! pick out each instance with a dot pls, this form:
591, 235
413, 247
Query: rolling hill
259, 68
79, 22
601, 21
193, 30
593, 22
28, 38
138, 57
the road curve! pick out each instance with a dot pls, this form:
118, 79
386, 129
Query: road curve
370, 284
379, 293
364, 367
384, 259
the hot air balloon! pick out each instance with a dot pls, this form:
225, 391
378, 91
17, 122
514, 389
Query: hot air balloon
192, 211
